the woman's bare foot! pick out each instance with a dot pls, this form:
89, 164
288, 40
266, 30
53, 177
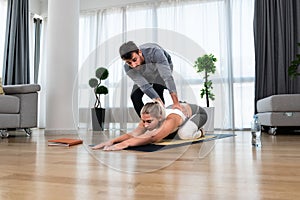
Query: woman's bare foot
202, 132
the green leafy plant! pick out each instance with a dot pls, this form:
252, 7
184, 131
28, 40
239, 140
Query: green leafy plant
206, 64
101, 74
293, 68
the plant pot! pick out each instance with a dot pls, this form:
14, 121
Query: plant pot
98, 116
209, 125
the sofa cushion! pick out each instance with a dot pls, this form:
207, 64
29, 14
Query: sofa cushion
279, 103
9, 120
9, 104
279, 118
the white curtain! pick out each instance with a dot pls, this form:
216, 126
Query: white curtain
187, 29
31, 46
42, 74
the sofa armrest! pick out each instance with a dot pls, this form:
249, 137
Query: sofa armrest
21, 88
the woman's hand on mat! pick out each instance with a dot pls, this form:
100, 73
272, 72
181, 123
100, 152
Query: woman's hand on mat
116, 147
103, 145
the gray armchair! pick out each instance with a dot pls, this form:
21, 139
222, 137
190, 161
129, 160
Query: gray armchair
281, 110
18, 108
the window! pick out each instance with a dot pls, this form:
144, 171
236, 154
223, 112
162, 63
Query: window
184, 28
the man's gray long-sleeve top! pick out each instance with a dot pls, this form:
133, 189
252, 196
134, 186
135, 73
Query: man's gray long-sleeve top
157, 69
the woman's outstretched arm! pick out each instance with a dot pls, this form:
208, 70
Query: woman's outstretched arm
137, 131
169, 126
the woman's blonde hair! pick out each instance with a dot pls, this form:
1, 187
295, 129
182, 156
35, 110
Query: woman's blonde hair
155, 109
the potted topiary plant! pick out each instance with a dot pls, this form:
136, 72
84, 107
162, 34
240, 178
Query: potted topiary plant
293, 68
206, 64
98, 112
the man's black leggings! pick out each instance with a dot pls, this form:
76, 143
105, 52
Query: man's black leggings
137, 96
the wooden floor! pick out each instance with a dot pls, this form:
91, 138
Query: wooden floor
228, 168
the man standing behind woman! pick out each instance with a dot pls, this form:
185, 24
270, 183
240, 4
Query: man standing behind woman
150, 67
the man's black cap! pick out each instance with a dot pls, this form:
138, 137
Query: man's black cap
127, 47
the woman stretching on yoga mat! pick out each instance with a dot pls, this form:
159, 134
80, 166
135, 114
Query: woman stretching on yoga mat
158, 123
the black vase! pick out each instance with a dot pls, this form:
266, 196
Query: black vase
98, 116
